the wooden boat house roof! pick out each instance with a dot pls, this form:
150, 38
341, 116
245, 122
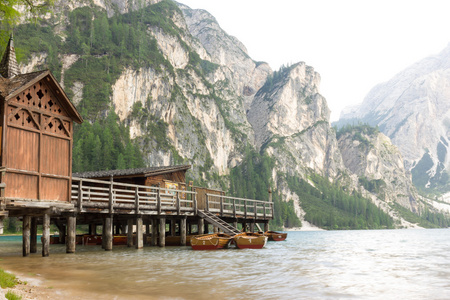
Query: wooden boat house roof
12, 82
139, 172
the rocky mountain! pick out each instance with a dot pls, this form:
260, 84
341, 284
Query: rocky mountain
182, 90
413, 109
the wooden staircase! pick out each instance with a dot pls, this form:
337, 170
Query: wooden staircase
216, 221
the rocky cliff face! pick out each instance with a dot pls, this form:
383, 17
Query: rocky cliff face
413, 109
371, 156
207, 101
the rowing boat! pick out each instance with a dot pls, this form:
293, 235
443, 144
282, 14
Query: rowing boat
275, 236
250, 240
210, 241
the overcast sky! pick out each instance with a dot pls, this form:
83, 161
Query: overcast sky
353, 44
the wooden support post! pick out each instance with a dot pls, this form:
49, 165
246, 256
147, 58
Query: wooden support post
103, 233
252, 227
26, 235
201, 226
206, 230
71, 234
108, 233
80, 195
178, 204
183, 231
194, 197
162, 232
158, 201
216, 229
207, 202
235, 224
221, 206
111, 196
92, 229
244, 226
130, 232
266, 226
245, 209
234, 208
136, 204
33, 235
264, 210
255, 208
154, 232
139, 233
46, 235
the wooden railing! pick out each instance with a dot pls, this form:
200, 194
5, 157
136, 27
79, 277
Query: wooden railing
239, 207
110, 196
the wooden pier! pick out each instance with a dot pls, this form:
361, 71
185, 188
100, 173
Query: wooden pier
37, 184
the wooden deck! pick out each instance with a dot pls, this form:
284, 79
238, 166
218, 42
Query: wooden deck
99, 196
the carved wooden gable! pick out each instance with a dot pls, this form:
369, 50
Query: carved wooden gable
39, 107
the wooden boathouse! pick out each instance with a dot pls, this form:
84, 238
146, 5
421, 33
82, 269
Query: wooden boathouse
37, 184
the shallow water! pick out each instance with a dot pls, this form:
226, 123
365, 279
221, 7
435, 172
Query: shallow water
379, 264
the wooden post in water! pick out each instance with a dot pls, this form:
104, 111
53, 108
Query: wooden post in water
252, 227
266, 226
147, 231
130, 232
103, 233
46, 235
33, 235
139, 233
154, 232
26, 235
109, 233
183, 231
162, 232
201, 226
71, 234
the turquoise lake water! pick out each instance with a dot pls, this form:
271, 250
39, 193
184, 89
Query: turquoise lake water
378, 264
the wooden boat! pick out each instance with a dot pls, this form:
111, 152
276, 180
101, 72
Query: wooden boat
275, 236
210, 241
252, 240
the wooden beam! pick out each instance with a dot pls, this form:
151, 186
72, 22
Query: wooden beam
139, 233
26, 235
33, 235
266, 226
71, 234
46, 235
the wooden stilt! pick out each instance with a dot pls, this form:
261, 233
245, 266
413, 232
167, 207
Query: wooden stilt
26, 235
244, 226
216, 229
103, 233
206, 229
266, 226
235, 224
147, 231
201, 226
91, 229
71, 234
252, 227
46, 235
139, 233
154, 232
33, 235
183, 231
162, 232
109, 233
130, 232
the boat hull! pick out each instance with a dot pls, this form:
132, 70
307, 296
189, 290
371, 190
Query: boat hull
276, 236
210, 242
250, 241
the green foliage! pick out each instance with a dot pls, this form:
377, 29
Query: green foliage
374, 186
7, 280
358, 132
105, 145
12, 296
273, 79
11, 225
426, 219
253, 178
328, 206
